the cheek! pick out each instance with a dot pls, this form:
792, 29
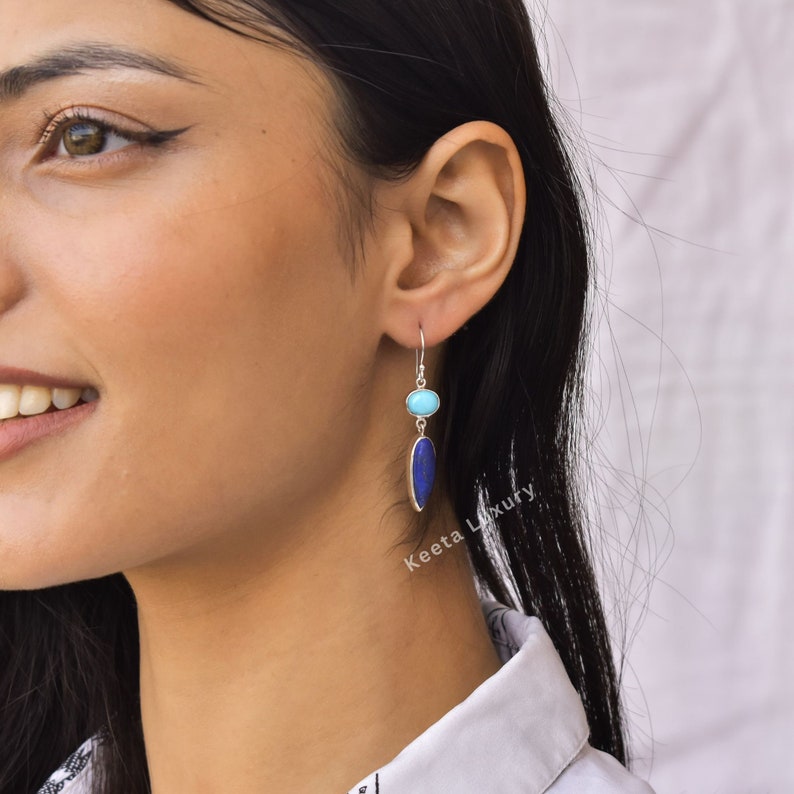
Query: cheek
221, 333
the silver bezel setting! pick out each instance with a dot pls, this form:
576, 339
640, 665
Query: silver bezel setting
422, 415
410, 472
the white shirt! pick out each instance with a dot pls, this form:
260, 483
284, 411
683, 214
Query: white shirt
522, 731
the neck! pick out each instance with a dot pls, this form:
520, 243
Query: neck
305, 670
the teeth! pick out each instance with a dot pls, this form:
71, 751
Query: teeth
89, 395
65, 398
9, 401
34, 400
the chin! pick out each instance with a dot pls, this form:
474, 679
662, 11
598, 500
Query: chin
39, 567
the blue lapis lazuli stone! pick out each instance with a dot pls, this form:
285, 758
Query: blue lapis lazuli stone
422, 402
423, 470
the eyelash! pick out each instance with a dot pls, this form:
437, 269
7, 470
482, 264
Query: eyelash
55, 124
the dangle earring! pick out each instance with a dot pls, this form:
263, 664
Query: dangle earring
421, 403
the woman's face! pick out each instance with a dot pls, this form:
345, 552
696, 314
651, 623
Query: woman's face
190, 272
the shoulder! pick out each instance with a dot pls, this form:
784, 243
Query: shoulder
595, 772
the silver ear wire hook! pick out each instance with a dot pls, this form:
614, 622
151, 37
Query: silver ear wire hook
420, 361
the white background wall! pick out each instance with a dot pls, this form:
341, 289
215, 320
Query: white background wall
687, 107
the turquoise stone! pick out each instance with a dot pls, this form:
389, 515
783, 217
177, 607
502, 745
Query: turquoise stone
422, 471
422, 402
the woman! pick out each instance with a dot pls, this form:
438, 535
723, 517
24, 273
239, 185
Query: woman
235, 236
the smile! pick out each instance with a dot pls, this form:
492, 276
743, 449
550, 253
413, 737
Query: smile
34, 400
29, 413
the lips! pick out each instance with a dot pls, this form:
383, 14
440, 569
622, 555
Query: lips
34, 406
28, 377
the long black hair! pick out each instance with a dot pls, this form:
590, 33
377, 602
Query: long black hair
404, 73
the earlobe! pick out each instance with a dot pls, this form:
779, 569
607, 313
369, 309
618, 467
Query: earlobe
465, 204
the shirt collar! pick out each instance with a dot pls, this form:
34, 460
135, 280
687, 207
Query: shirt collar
515, 732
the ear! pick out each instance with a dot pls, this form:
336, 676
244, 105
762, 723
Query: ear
455, 228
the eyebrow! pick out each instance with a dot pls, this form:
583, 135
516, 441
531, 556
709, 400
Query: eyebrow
79, 58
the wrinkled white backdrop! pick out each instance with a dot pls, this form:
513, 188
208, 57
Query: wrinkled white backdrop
687, 107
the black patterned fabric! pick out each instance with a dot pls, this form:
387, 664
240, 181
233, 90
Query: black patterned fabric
73, 775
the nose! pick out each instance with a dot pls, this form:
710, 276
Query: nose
12, 280
12, 287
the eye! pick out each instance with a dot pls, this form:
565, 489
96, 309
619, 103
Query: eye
85, 137
78, 135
